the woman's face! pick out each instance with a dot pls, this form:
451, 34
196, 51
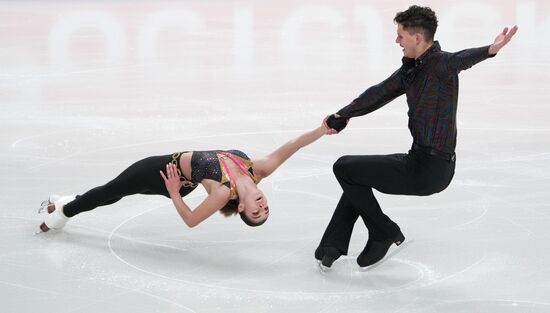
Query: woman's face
254, 205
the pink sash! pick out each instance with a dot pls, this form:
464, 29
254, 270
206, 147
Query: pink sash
239, 163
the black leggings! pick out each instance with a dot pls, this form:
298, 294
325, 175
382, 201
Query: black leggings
142, 177
415, 173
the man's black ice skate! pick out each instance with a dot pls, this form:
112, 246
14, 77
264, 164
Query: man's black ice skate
375, 250
327, 255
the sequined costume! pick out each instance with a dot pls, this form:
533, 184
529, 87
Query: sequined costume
206, 165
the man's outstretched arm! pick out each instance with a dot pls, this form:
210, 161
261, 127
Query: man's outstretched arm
372, 99
467, 58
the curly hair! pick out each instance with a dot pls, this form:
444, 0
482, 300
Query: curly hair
418, 19
231, 208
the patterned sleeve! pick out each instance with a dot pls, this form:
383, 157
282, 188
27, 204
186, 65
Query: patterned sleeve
375, 97
467, 58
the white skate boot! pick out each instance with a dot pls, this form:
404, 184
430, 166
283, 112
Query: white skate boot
55, 219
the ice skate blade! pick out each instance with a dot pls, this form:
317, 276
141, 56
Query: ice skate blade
49, 208
48, 205
43, 206
43, 228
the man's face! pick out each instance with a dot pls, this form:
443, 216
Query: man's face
406, 41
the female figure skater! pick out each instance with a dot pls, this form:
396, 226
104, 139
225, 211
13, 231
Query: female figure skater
229, 177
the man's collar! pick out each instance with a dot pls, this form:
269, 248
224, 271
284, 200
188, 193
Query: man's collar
435, 47
410, 61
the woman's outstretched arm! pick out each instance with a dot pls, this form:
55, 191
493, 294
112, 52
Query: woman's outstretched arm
267, 165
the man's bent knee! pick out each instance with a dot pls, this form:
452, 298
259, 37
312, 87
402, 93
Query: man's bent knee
342, 165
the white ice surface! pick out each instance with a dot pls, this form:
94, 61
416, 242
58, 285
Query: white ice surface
88, 87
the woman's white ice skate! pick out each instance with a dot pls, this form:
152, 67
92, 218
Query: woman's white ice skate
55, 219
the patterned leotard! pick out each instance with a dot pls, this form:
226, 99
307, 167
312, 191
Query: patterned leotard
206, 165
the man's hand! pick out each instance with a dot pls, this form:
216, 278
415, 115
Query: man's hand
335, 123
502, 39
328, 130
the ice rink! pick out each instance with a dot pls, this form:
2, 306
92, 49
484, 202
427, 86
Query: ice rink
89, 87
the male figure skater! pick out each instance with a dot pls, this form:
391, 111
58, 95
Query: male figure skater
429, 78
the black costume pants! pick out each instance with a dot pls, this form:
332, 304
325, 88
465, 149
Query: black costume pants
415, 173
142, 177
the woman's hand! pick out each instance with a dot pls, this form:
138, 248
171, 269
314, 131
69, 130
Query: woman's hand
172, 179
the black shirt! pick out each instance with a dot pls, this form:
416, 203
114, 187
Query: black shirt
431, 85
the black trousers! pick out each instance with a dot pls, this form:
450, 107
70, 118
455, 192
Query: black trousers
414, 173
142, 177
